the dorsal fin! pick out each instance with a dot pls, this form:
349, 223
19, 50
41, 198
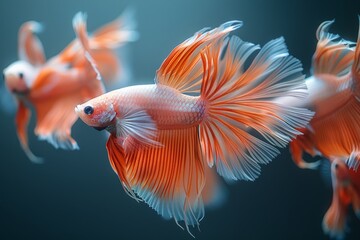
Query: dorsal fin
183, 69
333, 55
30, 47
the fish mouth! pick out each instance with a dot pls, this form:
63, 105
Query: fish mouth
20, 92
99, 128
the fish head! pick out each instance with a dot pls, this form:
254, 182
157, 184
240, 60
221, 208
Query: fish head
19, 77
98, 112
340, 172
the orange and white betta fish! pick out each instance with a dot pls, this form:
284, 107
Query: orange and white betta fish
56, 86
334, 94
162, 138
346, 193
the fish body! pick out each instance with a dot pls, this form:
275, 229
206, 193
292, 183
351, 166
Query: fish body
205, 110
167, 107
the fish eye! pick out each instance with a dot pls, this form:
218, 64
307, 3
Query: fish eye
21, 75
88, 110
336, 166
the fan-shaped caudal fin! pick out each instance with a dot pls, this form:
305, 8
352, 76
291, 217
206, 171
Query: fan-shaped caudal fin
169, 178
115, 33
183, 69
241, 105
300, 144
22, 119
333, 55
29, 46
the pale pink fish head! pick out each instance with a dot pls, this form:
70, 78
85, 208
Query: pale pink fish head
340, 172
19, 77
98, 112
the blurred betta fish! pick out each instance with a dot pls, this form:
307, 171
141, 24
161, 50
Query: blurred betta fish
346, 193
334, 132
334, 94
205, 109
56, 86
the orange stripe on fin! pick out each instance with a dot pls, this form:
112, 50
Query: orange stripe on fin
22, 119
117, 160
182, 69
169, 179
333, 55
338, 134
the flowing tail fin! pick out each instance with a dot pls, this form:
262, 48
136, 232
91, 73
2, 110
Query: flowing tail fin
244, 124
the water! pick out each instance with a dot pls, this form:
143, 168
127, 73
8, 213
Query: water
76, 195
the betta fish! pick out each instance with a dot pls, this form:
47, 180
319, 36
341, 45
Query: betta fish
204, 110
54, 87
334, 94
334, 131
346, 193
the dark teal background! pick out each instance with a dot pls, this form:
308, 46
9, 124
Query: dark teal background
76, 195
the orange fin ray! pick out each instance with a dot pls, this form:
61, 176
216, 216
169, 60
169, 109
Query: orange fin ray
333, 55
182, 69
22, 119
345, 139
117, 160
169, 179
242, 107
30, 48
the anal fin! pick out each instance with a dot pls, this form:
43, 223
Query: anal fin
169, 178
22, 119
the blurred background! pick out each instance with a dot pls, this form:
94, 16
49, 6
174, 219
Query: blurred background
76, 195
